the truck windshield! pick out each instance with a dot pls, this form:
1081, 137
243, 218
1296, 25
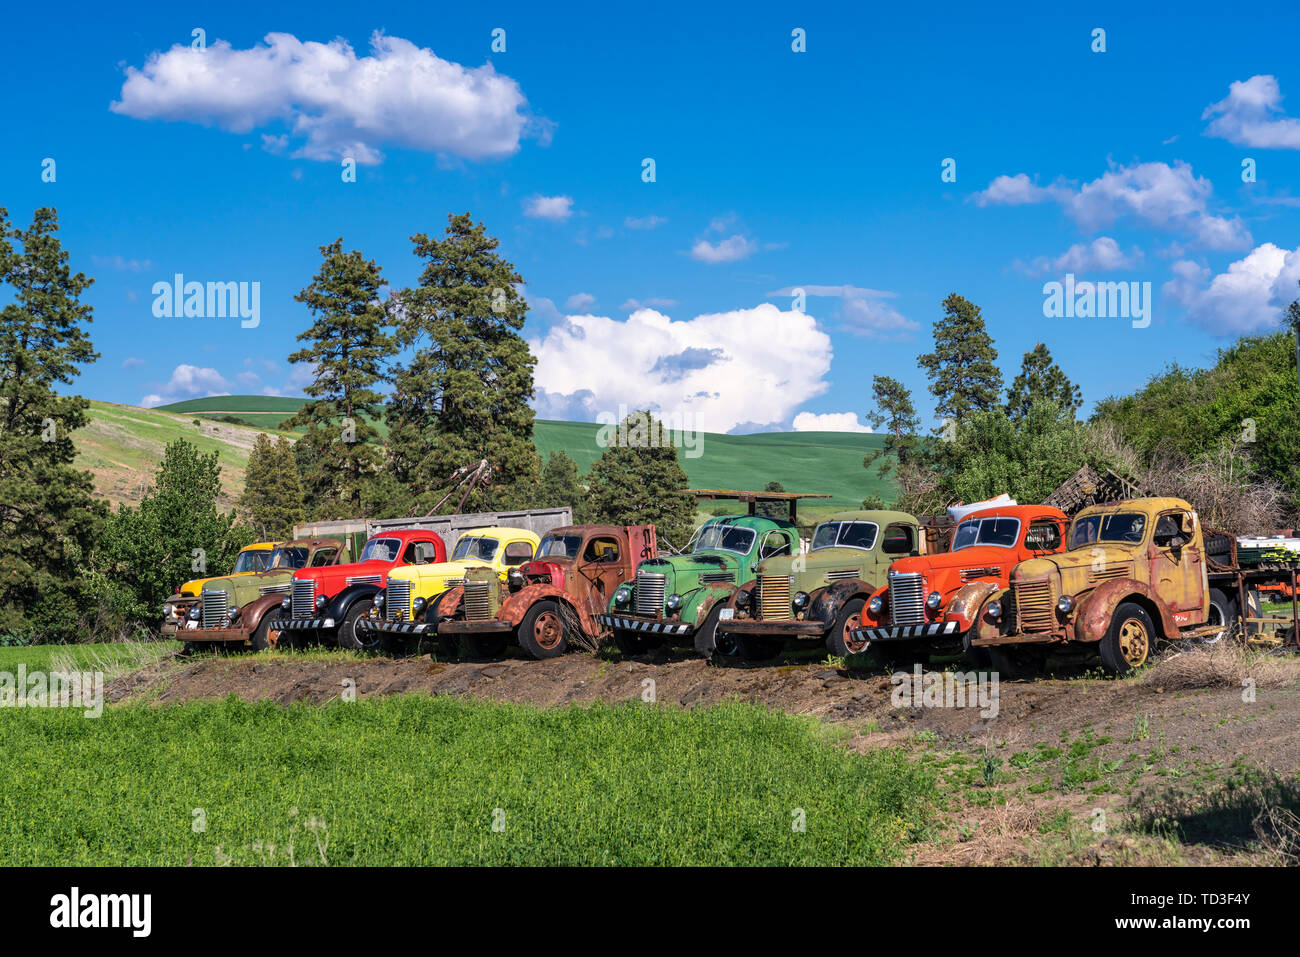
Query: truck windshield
1124, 527
287, 557
845, 535
559, 546
476, 547
381, 550
1002, 532
250, 562
728, 538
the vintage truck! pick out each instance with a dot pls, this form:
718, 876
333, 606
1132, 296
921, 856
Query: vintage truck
934, 599
1133, 573
235, 609
555, 600
820, 596
251, 558
406, 609
326, 603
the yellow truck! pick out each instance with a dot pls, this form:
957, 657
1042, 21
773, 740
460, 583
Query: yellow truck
250, 560
405, 611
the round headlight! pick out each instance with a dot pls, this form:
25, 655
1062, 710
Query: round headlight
932, 601
378, 600
284, 603
167, 610
623, 595
1065, 604
674, 602
875, 605
234, 614
193, 613
417, 606
320, 602
800, 599
515, 578
742, 599
994, 610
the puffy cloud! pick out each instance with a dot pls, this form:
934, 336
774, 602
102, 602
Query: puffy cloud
720, 370
829, 422
729, 250
1158, 195
335, 103
861, 311
188, 382
555, 208
1249, 297
1103, 253
643, 222
1251, 115
580, 302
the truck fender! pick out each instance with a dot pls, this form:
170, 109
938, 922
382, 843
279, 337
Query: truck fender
966, 604
251, 615
984, 627
706, 598
1096, 610
875, 621
344, 600
448, 603
825, 605
516, 606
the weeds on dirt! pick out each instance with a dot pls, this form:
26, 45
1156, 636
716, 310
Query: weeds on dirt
1225, 664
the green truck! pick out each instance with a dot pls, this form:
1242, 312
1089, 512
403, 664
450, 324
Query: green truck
678, 599
819, 597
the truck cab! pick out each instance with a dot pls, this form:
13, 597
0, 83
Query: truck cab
820, 596
931, 598
555, 600
250, 560
330, 600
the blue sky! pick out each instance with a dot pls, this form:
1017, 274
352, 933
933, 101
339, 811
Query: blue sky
774, 170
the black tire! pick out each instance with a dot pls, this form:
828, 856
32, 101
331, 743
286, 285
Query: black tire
347, 634
977, 658
838, 641
482, 646
446, 647
1014, 663
543, 633
759, 647
1129, 641
1222, 611
260, 639
710, 642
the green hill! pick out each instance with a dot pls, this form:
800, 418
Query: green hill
829, 462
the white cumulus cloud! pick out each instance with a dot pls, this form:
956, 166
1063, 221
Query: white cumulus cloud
580, 302
1103, 253
729, 250
1249, 297
555, 208
829, 422
188, 382
1251, 115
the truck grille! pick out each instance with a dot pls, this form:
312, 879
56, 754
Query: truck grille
303, 598
906, 598
477, 601
1117, 570
215, 604
975, 574
841, 575
717, 578
650, 588
397, 601
774, 597
363, 580
1034, 606
274, 589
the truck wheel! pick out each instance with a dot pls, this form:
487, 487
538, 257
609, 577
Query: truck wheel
631, 643
977, 658
348, 636
260, 638
839, 641
1128, 642
482, 646
758, 647
542, 632
1016, 664
1222, 612
712, 643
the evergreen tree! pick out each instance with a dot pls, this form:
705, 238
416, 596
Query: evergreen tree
638, 480
272, 496
895, 413
963, 376
463, 394
48, 515
773, 509
1041, 378
349, 345
562, 485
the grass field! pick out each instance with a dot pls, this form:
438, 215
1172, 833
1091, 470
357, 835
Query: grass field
415, 780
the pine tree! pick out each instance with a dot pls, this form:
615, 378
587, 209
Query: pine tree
463, 395
48, 514
773, 509
963, 376
639, 480
349, 347
894, 412
1041, 378
561, 484
272, 496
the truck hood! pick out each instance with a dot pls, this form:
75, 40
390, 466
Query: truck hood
244, 588
977, 556
329, 576
455, 568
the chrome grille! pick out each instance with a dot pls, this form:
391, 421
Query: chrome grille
906, 598
841, 574
1034, 606
303, 598
650, 588
774, 597
363, 580
477, 601
215, 605
397, 600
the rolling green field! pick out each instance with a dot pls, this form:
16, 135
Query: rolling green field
829, 462
417, 780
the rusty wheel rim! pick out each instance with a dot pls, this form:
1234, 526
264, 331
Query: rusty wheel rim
1133, 642
852, 623
547, 631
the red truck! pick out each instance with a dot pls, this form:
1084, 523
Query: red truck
550, 602
328, 601
936, 598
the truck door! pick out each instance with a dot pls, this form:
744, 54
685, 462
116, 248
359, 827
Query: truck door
1177, 565
601, 569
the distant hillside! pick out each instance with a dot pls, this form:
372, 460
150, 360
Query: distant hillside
829, 462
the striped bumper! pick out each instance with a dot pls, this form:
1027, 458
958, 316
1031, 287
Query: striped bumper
646, 626
396, 627
906, 632
301, 624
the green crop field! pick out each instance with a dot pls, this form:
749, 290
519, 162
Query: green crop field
419, 780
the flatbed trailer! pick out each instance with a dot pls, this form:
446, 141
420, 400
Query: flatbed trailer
1260, 568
